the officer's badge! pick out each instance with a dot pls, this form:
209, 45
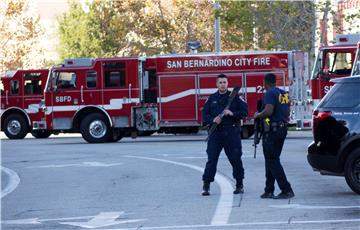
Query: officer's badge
284, 98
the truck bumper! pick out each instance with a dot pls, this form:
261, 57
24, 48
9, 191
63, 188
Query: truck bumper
320, 160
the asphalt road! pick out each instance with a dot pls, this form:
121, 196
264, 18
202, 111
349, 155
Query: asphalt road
155, 183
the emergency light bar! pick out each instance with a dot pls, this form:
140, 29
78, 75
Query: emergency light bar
78, 62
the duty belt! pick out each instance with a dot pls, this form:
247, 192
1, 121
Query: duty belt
278, 124
221, 126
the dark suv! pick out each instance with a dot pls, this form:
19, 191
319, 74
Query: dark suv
336, 129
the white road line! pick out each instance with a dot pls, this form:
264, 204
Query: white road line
223, 209
14, 181
83, 164
299, 206
222, 157
246, 224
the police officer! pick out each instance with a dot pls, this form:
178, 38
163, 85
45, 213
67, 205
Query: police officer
226, 135
275, 116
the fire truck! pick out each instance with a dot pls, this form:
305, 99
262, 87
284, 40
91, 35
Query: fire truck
21, 94
333, 61
106, 99
356, 66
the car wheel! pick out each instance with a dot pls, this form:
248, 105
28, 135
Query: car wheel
41, 133
15, 126
352, 170
94, 128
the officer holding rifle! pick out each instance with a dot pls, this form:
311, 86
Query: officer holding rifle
274, 115
223, 111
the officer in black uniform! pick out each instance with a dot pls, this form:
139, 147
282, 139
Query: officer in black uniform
226, 135
275, 116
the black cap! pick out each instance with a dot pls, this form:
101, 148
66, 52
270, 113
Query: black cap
270, 78
222, 76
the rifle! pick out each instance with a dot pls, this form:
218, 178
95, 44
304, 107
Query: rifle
221, 115
257, 127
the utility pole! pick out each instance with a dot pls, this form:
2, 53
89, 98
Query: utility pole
217, 28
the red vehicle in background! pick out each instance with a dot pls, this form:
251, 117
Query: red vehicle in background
356, 66
334, 61
106, 99
22, 92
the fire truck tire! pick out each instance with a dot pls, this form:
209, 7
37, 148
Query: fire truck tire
95, 128
352, 170
41, 133
15, 126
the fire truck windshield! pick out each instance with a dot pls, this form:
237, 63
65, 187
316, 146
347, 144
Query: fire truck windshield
317, 66
337, 63
356, 68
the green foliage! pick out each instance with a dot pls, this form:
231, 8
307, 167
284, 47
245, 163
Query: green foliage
134, 27
274, 24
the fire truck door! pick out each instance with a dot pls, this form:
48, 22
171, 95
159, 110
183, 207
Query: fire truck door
66, 99
207, 86
255, 88
33, 93
177, 98
90, 93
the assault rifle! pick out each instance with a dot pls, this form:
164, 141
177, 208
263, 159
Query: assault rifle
257, 126
221, 115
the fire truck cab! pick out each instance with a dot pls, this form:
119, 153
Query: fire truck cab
356, 66
22, 92
100, 98
332, 62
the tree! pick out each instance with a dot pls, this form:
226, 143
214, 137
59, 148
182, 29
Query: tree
134, 27
273, 24
20, 36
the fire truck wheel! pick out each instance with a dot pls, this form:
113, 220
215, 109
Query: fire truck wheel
94, 128
41, 133
16, 126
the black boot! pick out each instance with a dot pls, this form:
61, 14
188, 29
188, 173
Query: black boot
285, 195
267, 195
239, 188
206, 189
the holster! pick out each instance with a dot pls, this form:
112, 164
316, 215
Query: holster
266, 125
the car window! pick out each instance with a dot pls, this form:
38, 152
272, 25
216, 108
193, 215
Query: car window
342, 95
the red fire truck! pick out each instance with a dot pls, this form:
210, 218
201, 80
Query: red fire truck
356, 66
21, 94
106, 99
333, 61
